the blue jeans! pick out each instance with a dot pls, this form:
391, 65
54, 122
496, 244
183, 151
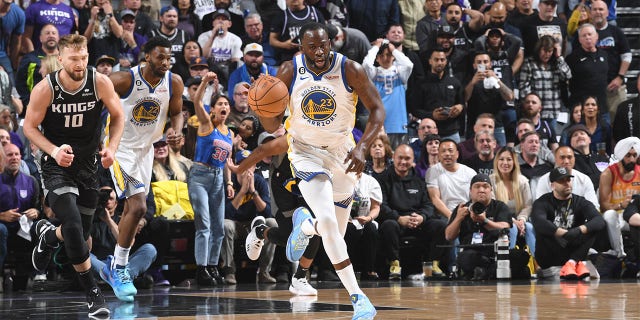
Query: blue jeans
139, 261
501, 137
529, 237
4, 236
207, 196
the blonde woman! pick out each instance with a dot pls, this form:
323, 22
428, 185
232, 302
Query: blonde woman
49, 64
166, 166
512, 188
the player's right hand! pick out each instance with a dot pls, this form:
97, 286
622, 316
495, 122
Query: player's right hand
64, 156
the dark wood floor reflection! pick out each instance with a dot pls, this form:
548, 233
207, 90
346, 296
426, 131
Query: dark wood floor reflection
401, 300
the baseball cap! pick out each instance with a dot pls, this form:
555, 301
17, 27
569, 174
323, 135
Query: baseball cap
221, 12
480, 178
559, 173
549, 1
127, 12
160, 143
252, 47
265, 137
167, 8
193, 80
107, 59
445, 30
198, 61
241, 155
578, 127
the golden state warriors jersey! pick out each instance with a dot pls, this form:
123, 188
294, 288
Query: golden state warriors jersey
146, 109
322, 106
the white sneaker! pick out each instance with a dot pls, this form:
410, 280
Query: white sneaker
253, 244
301, 287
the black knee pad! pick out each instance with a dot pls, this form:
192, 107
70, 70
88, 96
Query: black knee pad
65, 208
312, 247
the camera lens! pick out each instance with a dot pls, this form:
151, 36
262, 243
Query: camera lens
478, 208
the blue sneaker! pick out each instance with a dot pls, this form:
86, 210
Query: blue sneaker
362, 307
298, 241
119, 279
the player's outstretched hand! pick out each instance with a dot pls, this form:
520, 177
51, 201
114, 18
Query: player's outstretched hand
63, 155
355, 159
174, 138
106, 157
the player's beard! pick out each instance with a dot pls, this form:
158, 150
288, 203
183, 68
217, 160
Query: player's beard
76, 76
155, 70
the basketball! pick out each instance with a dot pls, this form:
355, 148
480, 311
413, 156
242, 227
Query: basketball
268, 96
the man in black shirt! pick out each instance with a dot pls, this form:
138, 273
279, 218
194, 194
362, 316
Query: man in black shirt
407, 210
541, 24
589, 68
478, 222
482, 160
627, 119
441, 97
566, 225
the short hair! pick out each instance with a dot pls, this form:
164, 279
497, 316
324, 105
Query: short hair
452, 141
240, 84
486, 115
481, 52
525, 120
252, 16
428, 138
533, 94
438, 49
394, 25
484, 132
454, 3
527, 134
586, 25
312, 26
154, 42
73, 40
555, 152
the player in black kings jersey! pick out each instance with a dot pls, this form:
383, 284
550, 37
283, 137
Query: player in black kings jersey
68, 104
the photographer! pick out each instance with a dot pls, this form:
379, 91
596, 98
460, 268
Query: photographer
566, 225
478, 222
104, 234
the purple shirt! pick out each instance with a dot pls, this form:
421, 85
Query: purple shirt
42, 13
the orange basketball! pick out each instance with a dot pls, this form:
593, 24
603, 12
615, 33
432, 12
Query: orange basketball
268, 96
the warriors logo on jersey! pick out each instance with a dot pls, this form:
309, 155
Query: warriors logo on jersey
319, 105
145, 112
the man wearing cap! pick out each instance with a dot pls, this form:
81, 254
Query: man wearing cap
618, 183
586, 161
102, 32
169, 30
252, 68
566, 225
235, 19
144, 23
407, 210
476, 222
199, 67
131, 41
219, 44
104, 64
541, 24
251, 202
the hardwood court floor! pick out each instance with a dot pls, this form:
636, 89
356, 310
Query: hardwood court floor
606, 299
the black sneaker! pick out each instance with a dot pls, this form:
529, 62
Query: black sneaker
42, 251
97, 305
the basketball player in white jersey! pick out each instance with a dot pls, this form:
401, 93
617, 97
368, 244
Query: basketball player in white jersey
149, 94
67, 105
324, 87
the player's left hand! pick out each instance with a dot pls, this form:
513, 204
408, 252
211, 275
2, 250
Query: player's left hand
355, 159
106, 157
174, 138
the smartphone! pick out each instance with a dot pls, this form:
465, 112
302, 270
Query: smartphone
482, 68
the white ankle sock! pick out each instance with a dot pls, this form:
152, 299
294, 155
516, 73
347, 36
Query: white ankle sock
348, 278
121, 255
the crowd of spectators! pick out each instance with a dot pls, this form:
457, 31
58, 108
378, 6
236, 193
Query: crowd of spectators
516, 107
